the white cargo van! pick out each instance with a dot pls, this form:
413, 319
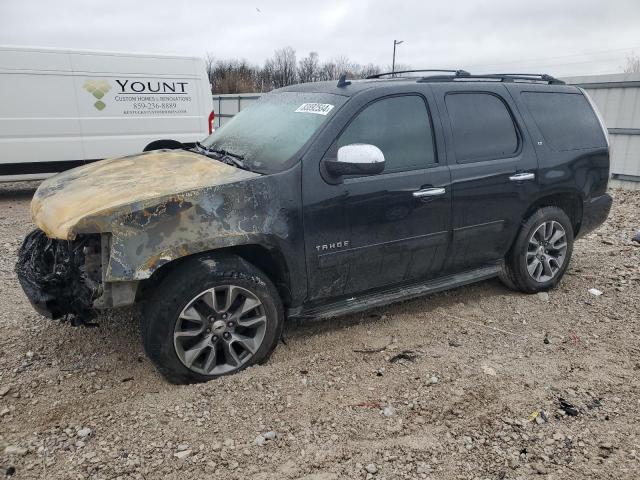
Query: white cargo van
62, 108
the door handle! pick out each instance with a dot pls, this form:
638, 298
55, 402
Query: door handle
429, 192
519, 177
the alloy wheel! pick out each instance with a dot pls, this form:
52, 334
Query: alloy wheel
220, 330
547, 251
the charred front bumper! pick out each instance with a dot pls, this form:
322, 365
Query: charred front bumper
61, 278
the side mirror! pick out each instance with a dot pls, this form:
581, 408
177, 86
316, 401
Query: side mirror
356, 159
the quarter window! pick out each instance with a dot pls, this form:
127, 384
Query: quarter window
482, 127
400, 127
566, 120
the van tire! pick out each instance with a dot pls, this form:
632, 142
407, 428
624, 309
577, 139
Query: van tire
178, 290
163, 145
515, 271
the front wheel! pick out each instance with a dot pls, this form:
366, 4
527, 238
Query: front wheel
212, 316
541, 253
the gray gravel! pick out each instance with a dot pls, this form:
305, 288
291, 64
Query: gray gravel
476, 393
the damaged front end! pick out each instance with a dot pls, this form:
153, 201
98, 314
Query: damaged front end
104, 229
61, 278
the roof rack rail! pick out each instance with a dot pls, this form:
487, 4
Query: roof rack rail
542, 76
459, 73
499, 77
452, 75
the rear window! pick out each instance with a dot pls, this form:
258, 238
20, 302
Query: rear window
482, 127
565, 120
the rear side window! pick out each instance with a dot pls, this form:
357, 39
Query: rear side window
565, 120
400, 127
482, 127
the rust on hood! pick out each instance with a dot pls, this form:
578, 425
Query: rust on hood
84, 199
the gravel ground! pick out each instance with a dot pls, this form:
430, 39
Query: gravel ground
478, 382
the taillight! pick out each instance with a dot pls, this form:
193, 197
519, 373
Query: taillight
212, 115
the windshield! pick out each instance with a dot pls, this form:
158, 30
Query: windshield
268, 134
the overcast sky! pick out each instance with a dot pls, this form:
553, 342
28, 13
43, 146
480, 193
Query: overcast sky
555, 36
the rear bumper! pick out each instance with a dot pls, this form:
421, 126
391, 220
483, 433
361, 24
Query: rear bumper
594, 212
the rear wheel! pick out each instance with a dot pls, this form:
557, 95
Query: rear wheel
541, 252
210, 317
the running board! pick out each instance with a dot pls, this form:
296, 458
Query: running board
386, 296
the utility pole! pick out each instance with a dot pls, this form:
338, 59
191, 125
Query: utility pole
393, 63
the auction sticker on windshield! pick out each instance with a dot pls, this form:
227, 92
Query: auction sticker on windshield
318, 108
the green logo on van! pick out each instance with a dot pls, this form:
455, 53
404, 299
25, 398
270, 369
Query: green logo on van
98, 88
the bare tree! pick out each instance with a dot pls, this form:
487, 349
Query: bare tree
233, 76
281, 69
633, 63
309, 68
369, 69
346, 67
238, 76
209, 62
399, 67
263, 80
336, 67
328, 71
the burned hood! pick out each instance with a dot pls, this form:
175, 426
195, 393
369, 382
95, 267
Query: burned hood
84, 199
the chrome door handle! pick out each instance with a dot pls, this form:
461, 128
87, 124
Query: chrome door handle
429, 192
519, 177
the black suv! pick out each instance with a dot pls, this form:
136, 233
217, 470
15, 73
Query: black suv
320, 200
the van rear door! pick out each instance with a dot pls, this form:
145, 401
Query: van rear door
39, 126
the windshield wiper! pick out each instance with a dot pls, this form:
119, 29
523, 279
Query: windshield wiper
225, 156
229, 160
226, 153
201, 149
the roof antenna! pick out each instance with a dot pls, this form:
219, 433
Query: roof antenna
343, 82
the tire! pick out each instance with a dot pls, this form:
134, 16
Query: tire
163, 144
537, 261
184, 320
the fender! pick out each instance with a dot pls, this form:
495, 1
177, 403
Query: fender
145, 238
